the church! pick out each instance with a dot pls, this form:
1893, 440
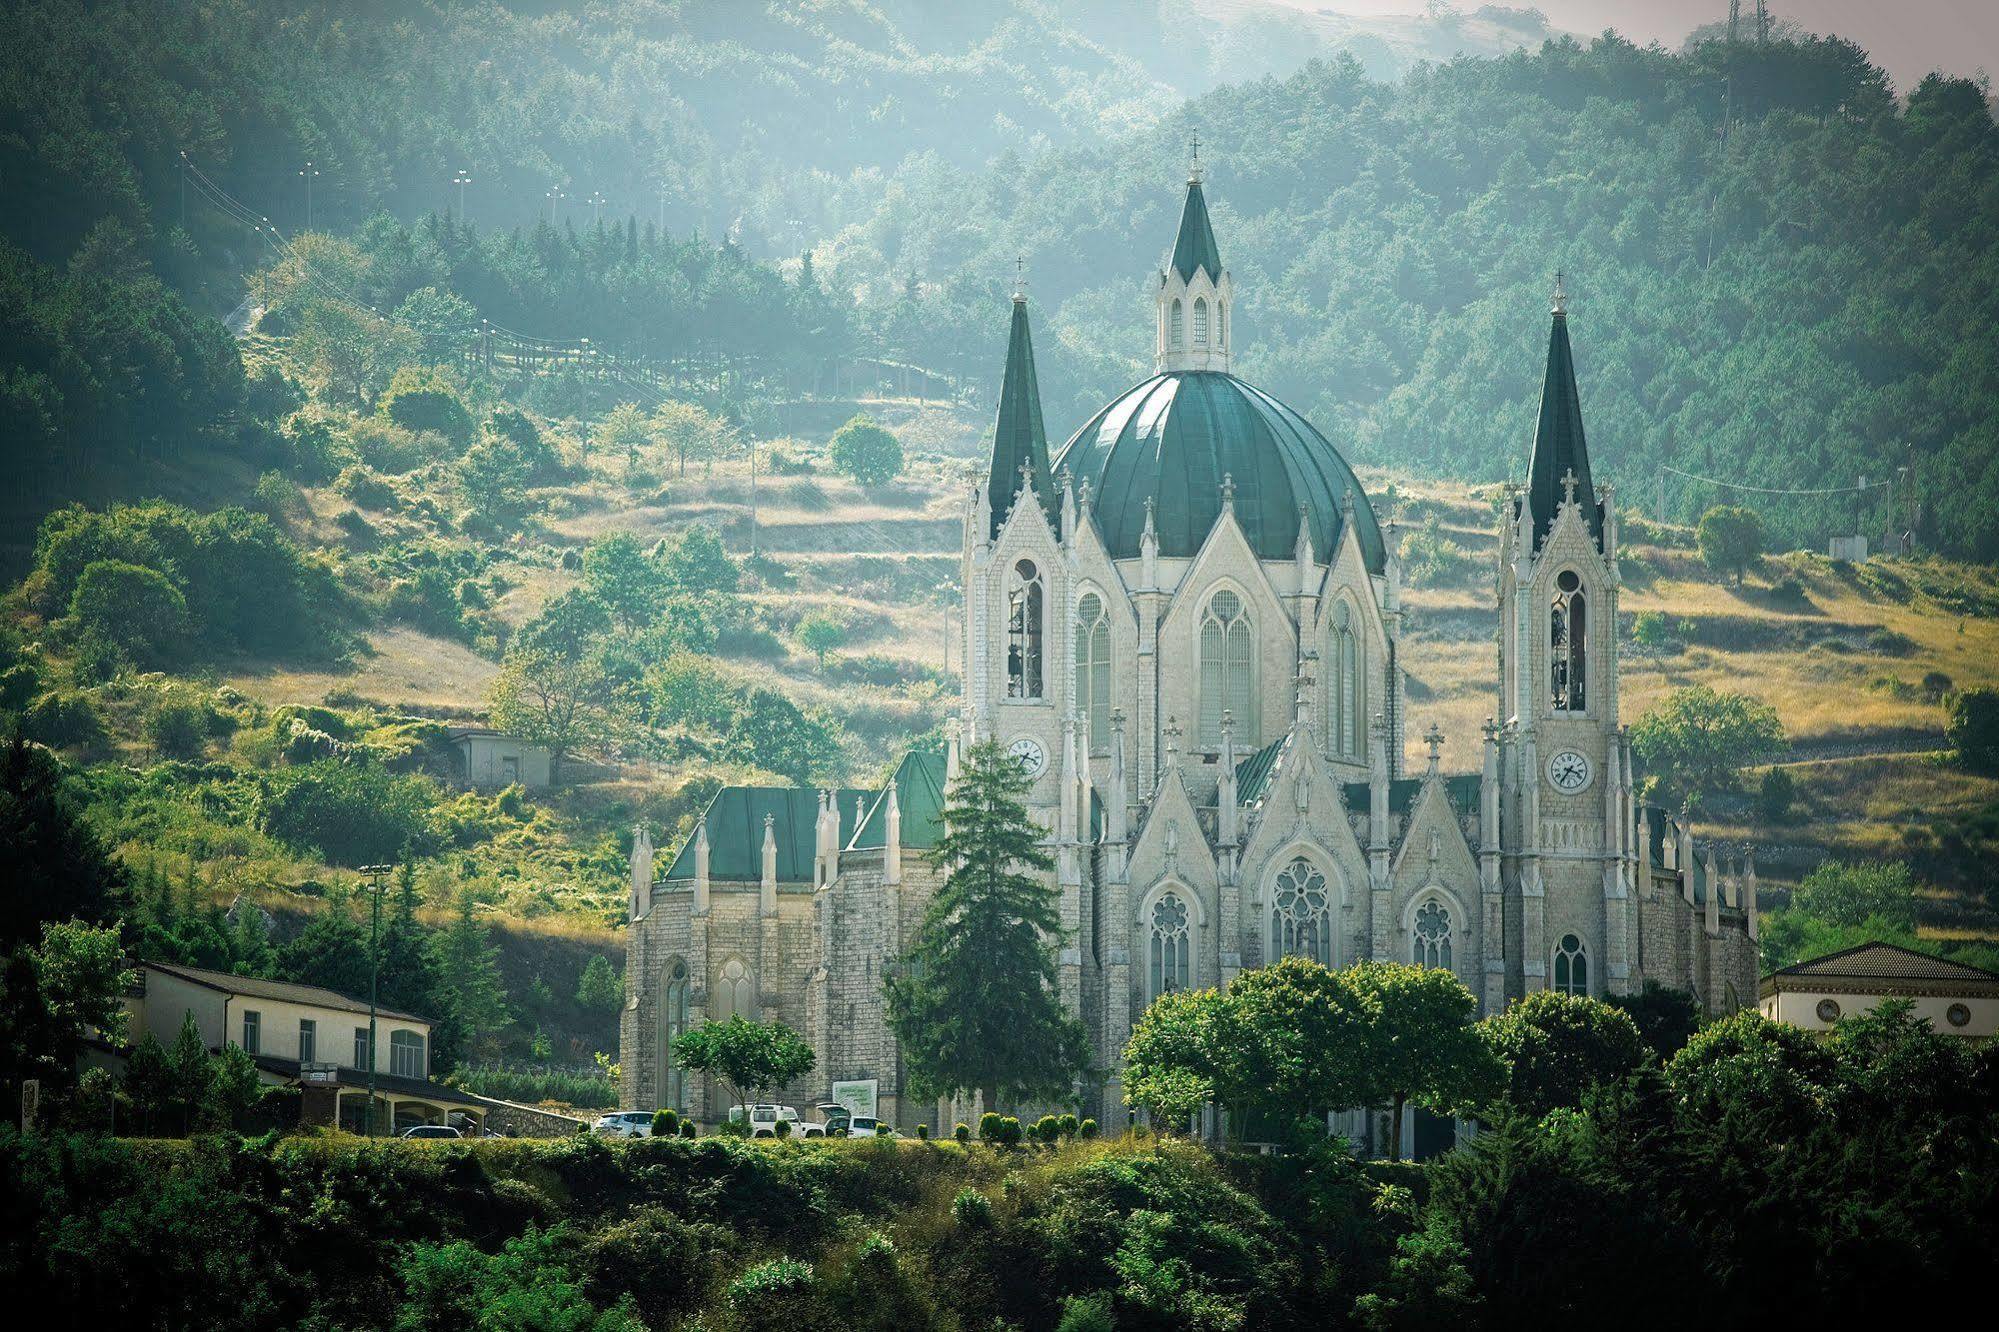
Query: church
1186, 623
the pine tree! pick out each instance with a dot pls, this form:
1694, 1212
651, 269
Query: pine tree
408, 971
598, 990
974, 1003
471, 1002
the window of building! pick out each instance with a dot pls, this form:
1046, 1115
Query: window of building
736, 996
1174, 325
253, 1031
1347, 687
362, 1059
1568, 645
1093, 671
1300, 914
1958, 1015
1571, 966
1200, 321
673, 1023
1431, 945
406, 1054
308, 1040
1023, 632
1228, 671
1171, 946
1828, 1010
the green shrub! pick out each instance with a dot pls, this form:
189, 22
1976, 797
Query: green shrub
989, 1126
1936, 685
665, 1124
972, 1209
1650, 630
963, 1132
63, 721
775, 1293
178, 729
1066, 1125
923, 1132
367, 488
687, 1129
1774, 796
136, 609
1971, 723
1047, 1129
394, 449
1087, 1129
782, 1128
866, 452
419, 399
1087, 1313
352, 813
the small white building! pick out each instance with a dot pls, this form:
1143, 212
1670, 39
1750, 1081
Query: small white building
1956, 999
493, 758
305, 1035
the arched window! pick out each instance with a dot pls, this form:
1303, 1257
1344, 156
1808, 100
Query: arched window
1176, 326
1301, 922
1171, 946
1228, 671
1347, 689
406, 1055
1023, 632
1568, 645
1571, 966
1093, 671
672, 1023
1200, 321
1430, 942
736, 996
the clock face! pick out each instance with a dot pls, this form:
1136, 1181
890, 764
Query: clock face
1030, 753
1568, 772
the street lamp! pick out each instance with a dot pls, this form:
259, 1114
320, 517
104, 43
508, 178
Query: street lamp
461, 180
597, 202
553, 197
377, 873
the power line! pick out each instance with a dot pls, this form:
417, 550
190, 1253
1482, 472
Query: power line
1775, 490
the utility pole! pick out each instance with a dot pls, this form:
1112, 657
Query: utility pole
553, 197
308, 174
377, 873
596, 207
461, 180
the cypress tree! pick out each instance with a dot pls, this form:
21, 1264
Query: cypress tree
973, 1002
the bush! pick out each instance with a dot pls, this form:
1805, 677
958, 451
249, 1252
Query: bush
418, 399
782, 1128
923, 1133
963, 1132
989, 1126
1087, 1313
1936, 685
687, 1129
367, 489
63, 721
1087, 1129
1730, 539
388, 447
1651, 631
1774, 796
1066, 1125
352, 813
866, 452
1971, 723
665, 1124
1047, 1129
782, 1291
972, 1209
137, 610
177, 729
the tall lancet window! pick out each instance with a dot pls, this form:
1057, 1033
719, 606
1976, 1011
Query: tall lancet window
1228, 671
673, 1024
1431, 946
1301, 922
1200, 321
1023, 632
1171, 947
1572, 966
1176, 326
1347, 687
1093, 671
1568, 645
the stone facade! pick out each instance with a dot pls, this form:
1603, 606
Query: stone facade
1216, 740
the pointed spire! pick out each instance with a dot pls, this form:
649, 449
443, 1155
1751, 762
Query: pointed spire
1195, 248
1020, 444
1559, 446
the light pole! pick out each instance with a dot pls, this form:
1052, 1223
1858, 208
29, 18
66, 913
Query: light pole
377, 873
308, 173
553, 196
596, 207
461, 180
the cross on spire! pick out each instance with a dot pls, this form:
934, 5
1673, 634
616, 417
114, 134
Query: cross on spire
1019, 278
1194, 166
1561, 295
1434, 738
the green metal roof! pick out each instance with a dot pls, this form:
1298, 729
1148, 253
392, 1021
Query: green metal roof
1462, 791
919, 799
1172, 440
1195, 248
1253, 773
1559, 447
1018, 437
735, 819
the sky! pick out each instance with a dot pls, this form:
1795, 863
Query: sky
1908, 38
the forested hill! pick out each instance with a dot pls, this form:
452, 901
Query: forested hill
1804, 299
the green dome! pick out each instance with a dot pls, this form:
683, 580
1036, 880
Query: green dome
1174, 437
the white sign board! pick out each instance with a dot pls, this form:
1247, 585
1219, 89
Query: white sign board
859, 1097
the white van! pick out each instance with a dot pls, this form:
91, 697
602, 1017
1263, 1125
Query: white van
762, 1120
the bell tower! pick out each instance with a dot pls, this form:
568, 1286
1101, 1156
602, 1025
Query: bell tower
1567, 816
1196, 299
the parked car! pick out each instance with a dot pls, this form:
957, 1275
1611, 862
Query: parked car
423, 1131
867, 1126
833, 1115
624, 1124
763, 1119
